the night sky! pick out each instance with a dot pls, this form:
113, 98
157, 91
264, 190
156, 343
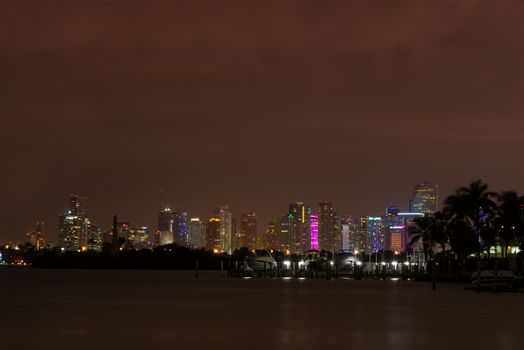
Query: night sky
253, 103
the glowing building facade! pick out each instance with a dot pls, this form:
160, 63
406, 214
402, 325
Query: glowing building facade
196, 233
37, 237
314, 232
248, 235
181, 228
226, 228
213, 241
166, 220
375, 233
73, 225
300, 215
329, 235
425, 198
282, 228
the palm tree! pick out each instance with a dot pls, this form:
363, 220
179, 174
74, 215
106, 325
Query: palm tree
462, 239
475, 206
423, 231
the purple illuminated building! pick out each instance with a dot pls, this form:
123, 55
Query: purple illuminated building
314, 232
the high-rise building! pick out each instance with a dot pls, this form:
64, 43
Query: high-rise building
37, 237
137, 237
165, 237
425, 198
248, 236
270, 240
223, 213
73, 225
166, 220
300, 230
349, 234
282, 227
196, 233
314, 232
213, 238
180, 228
375, 233
94, 241
394, 230
329, 237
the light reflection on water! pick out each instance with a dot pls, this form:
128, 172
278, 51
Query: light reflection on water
156, 309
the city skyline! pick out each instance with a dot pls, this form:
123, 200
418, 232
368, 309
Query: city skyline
272, 174
218, 231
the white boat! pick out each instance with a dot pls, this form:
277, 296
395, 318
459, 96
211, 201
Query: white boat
260, 260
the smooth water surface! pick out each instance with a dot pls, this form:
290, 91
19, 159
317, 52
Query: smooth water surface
87, 309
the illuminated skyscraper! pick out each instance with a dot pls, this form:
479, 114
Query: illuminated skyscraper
300, 239
425, 198
180, 228
165, 237
73, 225
350, 234
37, 237
213, 239
394, 230
270, 240
166, 220
314, 232
94, 241
328, 235
375, 233
248, 231
196, 233
282, 227
224, 217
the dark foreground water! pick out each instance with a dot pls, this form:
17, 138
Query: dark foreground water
69, 309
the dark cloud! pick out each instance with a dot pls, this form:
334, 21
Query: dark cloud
254, 103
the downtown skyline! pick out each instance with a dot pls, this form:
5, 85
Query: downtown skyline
77, 229
285, 174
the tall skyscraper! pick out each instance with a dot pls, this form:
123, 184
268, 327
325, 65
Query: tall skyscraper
181, 228
300, 230
213, 238
270, 240
425, 198
329, 238
314, 232
37, 237
223, 213
94, 241
248, 236
282, 227
196, 233
166, 220
375, 235
73, 225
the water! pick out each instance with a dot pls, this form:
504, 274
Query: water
70, 309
